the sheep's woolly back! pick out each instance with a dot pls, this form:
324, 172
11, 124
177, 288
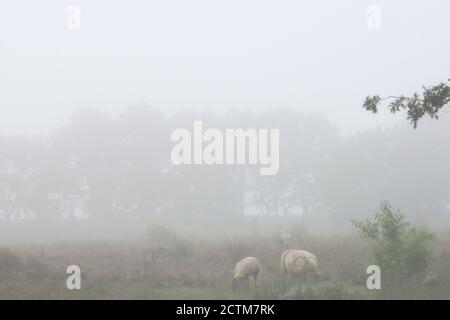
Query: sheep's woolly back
246, 267
283, 259
298, 261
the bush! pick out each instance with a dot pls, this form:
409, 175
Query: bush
159, 236
401, 250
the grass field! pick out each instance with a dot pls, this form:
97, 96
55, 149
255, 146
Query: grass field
165, 265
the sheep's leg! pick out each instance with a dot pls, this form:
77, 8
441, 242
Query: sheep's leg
305, 280
255, 277
284, 282
310, 281
302, 282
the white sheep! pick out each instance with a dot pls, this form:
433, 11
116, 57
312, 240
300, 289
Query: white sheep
245, 269
300, 263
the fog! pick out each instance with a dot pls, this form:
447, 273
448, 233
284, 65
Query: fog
242, 54
69, 93
102, 171
91, 116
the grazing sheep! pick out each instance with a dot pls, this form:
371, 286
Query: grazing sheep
299, 262
244, 269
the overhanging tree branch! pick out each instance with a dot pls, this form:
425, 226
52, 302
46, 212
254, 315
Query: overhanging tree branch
432, 100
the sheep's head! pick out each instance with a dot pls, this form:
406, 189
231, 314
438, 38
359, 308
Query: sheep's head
237, 281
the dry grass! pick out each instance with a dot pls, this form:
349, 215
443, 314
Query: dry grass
166, 266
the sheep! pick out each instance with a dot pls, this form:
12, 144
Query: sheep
299, 262
244, 269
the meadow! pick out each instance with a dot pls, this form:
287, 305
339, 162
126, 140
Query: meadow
164, 264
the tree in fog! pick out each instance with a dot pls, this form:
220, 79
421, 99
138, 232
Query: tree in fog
307, 146
109, 168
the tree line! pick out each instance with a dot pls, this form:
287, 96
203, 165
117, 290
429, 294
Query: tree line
105, 167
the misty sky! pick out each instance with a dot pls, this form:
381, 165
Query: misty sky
215, 54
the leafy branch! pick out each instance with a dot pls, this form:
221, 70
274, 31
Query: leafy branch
430, 102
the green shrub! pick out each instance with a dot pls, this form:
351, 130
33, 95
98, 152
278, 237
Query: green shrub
401, 250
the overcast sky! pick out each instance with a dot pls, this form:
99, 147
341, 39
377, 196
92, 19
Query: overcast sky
318, 56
